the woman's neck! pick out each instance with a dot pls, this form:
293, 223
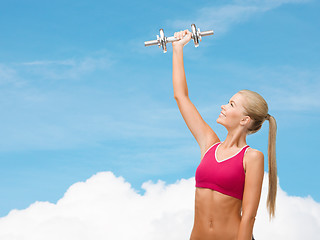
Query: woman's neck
235, 139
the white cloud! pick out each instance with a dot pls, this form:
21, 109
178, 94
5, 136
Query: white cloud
288, 88
221, 18
70, 68
43, 119
106, 207
67, 68
6, 73
20, 74
9, 76
68, 62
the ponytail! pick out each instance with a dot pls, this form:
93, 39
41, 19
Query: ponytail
257, 109
272, 191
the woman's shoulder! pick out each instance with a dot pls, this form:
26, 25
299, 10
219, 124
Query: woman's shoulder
253, 159
253, 155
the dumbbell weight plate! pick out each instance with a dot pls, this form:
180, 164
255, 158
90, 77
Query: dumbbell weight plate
195, 35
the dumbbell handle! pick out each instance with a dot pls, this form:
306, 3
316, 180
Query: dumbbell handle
150, 43
206, 33
173, 39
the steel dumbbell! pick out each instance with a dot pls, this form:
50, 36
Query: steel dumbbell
162, 40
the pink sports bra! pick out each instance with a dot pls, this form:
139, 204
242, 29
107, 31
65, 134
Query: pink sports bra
226, 177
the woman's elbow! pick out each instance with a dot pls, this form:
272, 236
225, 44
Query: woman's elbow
249, 218
178, 97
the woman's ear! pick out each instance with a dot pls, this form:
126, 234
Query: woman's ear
246, 120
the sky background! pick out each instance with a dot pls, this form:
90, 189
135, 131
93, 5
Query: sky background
80, 94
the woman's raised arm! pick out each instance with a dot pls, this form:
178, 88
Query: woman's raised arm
202, 132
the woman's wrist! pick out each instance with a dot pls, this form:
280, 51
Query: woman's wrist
178, 48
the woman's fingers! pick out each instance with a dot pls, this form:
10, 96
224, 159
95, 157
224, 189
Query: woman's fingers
183, 37
181, 34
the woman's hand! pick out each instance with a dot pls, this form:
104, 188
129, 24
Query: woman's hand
183, 36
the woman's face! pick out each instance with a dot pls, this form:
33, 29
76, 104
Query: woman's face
232, 114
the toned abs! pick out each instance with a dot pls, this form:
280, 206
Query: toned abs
217, 216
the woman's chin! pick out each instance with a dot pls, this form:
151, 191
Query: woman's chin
220, 121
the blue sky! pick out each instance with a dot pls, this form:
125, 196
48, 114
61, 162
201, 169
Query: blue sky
80, 94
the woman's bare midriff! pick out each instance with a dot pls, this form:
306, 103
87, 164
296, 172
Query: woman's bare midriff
217, 216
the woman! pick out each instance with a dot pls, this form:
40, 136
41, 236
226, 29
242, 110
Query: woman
230, 174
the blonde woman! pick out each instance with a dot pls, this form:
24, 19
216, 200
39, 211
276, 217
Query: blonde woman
230, 174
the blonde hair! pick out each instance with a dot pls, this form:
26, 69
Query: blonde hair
257, 109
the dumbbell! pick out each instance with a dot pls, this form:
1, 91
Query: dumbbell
162, 40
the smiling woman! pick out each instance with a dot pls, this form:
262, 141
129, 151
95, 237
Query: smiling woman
230, 175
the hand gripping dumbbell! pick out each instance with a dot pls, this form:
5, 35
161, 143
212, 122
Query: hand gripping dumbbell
162, 40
